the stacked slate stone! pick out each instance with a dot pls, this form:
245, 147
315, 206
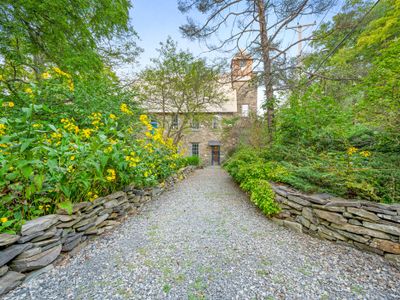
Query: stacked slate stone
42, 240
366, 225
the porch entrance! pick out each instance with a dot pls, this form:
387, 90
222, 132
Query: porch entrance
215, 155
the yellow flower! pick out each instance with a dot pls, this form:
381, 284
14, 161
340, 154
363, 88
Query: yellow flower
365, 153
3, 146
113, 117
40, 207
1, 77
60, 72
4, 219
108, 149
111, 175
352, 150
8, 104
72, 157
146, 174
86, 133
70, 168
46, 75
71, 85
143, 118
3, 128
36, 125
125, 109
29, 91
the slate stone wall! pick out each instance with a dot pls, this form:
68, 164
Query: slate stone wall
366, 225
42, 240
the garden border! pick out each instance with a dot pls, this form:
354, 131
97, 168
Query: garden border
43, 240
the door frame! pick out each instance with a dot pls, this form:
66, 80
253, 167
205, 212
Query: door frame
219, 155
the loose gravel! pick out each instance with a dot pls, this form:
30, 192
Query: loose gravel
205, 240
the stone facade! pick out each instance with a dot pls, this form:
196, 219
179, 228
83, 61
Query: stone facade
365, 225
212, 144
42, 240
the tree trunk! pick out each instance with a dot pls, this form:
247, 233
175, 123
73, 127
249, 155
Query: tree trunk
265, 52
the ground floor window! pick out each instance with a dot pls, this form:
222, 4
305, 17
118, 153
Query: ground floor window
195, 149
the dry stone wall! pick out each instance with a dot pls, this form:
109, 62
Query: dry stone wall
42, 240
366, 225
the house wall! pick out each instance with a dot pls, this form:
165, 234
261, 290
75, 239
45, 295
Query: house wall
205, 134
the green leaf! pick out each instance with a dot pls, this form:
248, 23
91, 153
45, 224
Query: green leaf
27, 171
67, 205
38, 180
25, 145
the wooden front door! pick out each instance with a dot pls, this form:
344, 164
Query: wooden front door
215, 155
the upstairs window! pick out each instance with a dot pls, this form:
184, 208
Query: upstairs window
215, 123
195, 149
245, 110
175, 121
195, 124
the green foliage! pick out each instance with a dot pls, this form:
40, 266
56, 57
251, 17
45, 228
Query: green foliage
340, 134
50, 162
192, 161
253, 175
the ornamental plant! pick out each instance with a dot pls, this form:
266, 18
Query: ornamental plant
50, 160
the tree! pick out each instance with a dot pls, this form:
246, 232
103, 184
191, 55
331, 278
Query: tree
179, 85
257, 26
83, 38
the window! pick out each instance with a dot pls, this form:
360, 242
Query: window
195, 149
175, 121
215, 123
245, 110
195, 123
242, 64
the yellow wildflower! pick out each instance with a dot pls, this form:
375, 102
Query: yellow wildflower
352, 150
108, 149
71, 85
143, 119
86, 133
3, 146
365, 153
60, 72
40, 207
72, 157
4, 219
70, 169
113, 117
125, 109
46, 75
3, 128
36, 125
111, 175
29, 91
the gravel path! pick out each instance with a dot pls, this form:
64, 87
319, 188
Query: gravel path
205, 240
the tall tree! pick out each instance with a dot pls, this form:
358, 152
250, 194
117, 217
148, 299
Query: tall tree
179, 86
255, 25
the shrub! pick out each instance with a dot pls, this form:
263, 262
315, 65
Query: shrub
49, 163
253, 174
192, 161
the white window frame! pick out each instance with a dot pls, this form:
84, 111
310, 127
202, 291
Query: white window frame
175, 121
245, 110
195, 147
195, 124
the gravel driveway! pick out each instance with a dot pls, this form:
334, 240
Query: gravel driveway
205, 240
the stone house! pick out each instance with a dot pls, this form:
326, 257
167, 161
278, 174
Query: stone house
205, 136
